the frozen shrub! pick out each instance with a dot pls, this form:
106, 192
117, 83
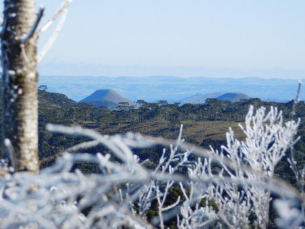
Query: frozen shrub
122, 194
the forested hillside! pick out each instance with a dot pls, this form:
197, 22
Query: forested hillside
204, 124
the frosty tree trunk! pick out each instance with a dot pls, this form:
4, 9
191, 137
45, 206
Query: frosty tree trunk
19, 90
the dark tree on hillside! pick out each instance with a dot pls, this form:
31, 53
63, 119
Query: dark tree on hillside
43, 87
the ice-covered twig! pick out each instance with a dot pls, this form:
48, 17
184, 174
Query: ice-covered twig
296, 101
292, 161
140, 141
53, 37
238, 191
148, 141
122, 193
81, 146
61, 9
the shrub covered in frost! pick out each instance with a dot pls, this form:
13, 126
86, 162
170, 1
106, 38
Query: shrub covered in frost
124, 190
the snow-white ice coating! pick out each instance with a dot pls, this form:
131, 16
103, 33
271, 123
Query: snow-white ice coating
122, 193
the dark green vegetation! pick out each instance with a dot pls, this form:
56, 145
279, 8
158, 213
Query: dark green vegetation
204, 125
233, 97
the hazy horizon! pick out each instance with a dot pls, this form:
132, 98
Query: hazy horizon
148, 71
177, 37
172, 88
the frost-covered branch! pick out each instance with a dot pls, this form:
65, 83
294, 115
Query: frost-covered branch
61, 9
220, 189
53, 37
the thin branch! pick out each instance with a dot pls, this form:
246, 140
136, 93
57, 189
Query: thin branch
83, 145
12, 154
34, 27
53, 37
172, 205
279, 185
56, 15
296, 100
224, 218
293, 162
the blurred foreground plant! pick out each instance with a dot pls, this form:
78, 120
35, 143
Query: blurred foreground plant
236, 195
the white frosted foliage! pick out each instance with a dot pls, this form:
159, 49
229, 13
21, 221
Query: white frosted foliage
122, 194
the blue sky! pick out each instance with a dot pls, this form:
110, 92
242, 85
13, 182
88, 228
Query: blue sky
218, 38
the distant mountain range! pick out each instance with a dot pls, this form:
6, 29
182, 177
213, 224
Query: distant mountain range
108, 98
112, 100
198, 99
233, 97
172, 89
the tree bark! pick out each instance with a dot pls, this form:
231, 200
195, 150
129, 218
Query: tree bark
19, 93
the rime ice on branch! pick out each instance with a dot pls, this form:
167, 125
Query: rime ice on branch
122, 194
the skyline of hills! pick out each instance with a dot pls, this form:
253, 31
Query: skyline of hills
199, 98
172, 89
112, 100
230, 96
233, 97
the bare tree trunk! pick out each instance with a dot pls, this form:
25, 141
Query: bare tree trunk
20, 115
